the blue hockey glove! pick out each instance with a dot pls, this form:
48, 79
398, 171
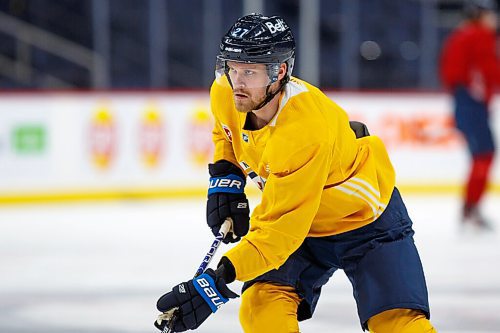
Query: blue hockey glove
227, 199
195, 301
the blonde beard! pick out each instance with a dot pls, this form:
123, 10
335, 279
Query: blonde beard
242, 108
248, 106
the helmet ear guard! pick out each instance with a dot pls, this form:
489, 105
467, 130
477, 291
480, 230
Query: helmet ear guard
273, 71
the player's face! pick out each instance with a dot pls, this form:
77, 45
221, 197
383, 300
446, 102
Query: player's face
249, 84
490, 20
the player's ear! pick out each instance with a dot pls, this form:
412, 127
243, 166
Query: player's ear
282, 71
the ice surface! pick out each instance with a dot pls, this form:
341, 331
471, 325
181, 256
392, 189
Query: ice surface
100, 266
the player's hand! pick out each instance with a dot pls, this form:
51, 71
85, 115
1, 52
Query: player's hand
194, 301
227, 199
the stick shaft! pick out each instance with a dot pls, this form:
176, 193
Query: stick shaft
208, 257
215, 245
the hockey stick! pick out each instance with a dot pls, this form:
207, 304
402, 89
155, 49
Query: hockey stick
171, 315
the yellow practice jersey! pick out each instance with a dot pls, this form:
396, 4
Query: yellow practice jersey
317, 178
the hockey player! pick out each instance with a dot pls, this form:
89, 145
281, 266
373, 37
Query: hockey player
470, 69
328, 202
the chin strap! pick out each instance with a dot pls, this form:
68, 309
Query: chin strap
270, 96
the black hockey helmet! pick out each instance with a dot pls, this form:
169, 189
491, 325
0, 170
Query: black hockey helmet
258, 39
474, 8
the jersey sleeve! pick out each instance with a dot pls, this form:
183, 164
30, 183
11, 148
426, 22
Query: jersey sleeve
223, 148
487, 58
452, 62
281, 222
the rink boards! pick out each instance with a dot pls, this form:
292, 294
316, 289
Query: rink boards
64, 146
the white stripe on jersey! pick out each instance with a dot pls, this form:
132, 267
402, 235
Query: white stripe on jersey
292, 88
365, 191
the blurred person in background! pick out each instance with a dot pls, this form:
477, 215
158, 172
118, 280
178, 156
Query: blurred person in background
329, 201
470, 69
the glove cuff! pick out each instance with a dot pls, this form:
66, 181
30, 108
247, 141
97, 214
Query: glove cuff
213, 291
226, 184
225, 270
225, 178
223, 168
